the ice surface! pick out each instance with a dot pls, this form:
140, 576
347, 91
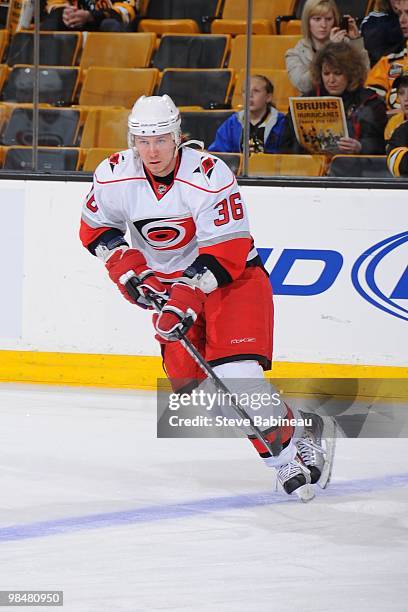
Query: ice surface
93, 504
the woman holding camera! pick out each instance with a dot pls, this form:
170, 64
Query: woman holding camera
321, 24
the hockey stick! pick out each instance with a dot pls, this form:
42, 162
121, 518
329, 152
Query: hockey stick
158, 302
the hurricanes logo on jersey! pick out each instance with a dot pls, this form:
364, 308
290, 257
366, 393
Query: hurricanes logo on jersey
166, 234
207, 166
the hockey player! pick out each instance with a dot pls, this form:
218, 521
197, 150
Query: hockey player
191, 244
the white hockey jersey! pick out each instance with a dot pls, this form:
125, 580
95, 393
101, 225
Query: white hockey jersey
200, 212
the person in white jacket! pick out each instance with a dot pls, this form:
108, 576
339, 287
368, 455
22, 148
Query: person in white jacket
321, 24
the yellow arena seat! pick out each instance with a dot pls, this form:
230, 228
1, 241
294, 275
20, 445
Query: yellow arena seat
93, 157
3, 42
267, 51
199, 11
263, 21
264, 164
3, 74
291, 28
111, 50
117, 87
282, 87
105, 128
169, 26
4, 115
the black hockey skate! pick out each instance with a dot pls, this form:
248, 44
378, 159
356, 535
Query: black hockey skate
316, 447
295, 478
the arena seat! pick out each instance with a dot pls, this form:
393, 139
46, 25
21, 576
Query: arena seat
49, 159
56, 48
57, 85
4, 35
267, 51
205, 88
292, 27
56, 127
233, 161
105, 128
234, 16
283, 88
117, 86
203, 125
194, 51
107, 49
4, 114
200, 11
264, 164
4, 70
169, 26
93, 157
369, 166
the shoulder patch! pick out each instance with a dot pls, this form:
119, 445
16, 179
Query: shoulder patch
207, 165
115, 159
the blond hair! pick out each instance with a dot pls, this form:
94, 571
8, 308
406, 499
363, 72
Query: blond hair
317, 7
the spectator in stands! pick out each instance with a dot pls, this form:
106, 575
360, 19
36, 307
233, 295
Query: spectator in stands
382, 76
339, 70
381, 30
397, 149
401, 87
320, 25
266, 123
102, 15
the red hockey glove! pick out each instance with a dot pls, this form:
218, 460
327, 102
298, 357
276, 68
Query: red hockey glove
125, 264
180, 312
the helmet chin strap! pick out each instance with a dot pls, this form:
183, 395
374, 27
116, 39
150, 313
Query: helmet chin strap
190, 142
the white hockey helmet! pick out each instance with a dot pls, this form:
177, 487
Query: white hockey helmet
153, 116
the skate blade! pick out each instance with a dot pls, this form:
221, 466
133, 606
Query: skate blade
329, 434
305, 493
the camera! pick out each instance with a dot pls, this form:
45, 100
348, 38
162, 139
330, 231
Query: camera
343, 25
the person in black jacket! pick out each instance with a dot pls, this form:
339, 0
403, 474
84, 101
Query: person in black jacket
381, 30
338, 70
